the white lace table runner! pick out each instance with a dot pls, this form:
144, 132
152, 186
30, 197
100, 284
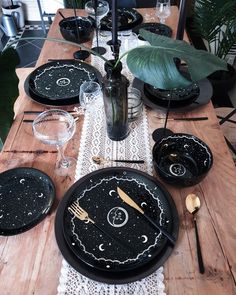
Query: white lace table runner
94, 141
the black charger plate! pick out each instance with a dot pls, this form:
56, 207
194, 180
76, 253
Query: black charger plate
156, 28
205, 94
58, 82
128, 18
103, 259
26, 196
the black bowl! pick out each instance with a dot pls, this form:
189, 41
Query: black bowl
77, 29
182, 159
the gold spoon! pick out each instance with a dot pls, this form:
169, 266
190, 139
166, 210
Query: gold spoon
193, 205
100, 160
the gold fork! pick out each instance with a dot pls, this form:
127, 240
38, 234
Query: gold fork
81, 214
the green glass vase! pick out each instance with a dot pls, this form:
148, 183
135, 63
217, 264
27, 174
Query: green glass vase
115, 98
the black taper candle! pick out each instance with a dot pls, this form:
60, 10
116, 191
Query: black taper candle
114, 22
182, 20
114, 28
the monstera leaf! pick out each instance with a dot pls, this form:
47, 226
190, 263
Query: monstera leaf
155, 63
9, 59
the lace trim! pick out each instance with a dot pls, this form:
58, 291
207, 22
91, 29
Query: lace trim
94, 141
72, 282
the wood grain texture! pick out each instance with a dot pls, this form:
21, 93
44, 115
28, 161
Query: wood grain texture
30, 262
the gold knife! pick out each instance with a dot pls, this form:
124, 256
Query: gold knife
134, 205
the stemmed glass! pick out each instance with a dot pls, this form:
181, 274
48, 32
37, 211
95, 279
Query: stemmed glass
163, 10
56, 127
97, 9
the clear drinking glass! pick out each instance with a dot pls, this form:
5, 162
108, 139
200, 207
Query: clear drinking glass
90, 92
163, 10
135, 104
56, 127
102, 10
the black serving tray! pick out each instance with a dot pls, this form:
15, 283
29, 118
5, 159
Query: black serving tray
90, 251
26, 196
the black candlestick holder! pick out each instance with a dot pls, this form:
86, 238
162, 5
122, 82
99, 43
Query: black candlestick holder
99, 49
160, 133
79, 54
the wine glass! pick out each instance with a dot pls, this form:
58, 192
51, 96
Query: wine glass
97, 10
90, 91
56, 127
163, 10
102, 10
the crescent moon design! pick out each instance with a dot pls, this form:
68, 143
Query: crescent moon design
22, 180
40, 196
143, 204
100, 247
112, 191
145, 239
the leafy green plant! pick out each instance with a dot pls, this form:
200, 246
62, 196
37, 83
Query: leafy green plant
215, 22
153, 64
9, 59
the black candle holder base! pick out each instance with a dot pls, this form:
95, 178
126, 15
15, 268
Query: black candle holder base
100, 50
81, 54
160, 133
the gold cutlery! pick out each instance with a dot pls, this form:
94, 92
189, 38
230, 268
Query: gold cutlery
100, 160
81, 214
193, 205
134, 205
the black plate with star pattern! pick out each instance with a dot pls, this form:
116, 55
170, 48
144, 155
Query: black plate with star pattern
58, 82
128, 18
156, 28
26, 196
143, 248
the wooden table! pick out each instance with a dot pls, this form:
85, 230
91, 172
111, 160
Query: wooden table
30, 262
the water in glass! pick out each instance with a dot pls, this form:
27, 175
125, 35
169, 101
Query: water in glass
163, 10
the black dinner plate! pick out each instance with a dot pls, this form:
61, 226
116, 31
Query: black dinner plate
156, 28
104, 259
58, 82
128, 18
26, 196
205, 94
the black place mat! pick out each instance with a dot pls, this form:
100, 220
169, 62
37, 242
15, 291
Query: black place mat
102, 258
26, 196
128, 18
58, 82
156, 28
